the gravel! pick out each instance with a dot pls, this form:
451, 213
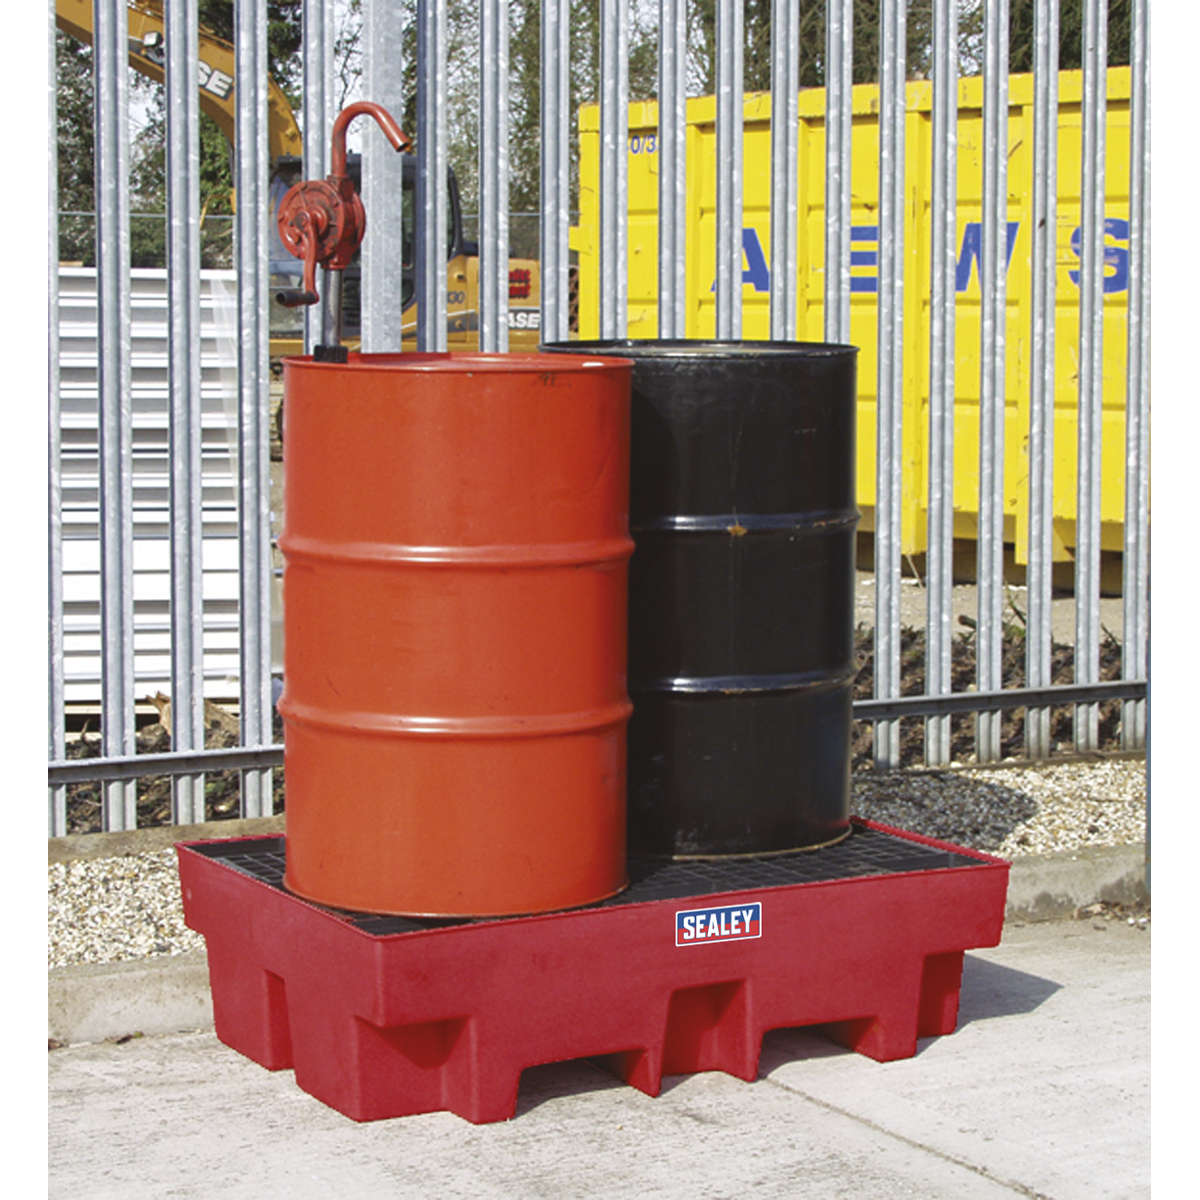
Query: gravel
121, 909
117, 909
1013, 811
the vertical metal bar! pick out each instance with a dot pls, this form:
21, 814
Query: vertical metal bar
672, 168
55, 690
614, 167
254, 459
493, 177
183, 302
1136, 559
730, 102
383, 180
1040, 571
993, 268
555, 164
432, 164
890, 388
1091, 367
317, 114
116, 410
944, 216
839, 79
785, 183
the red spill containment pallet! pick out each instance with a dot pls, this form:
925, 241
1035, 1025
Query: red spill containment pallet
685, 971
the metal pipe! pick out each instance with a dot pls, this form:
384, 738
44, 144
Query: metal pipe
672, 168
730, 89
1040, 570
116, 404
316, 117
493, 176
890, 387
993, 269
55, 689
1091, 366
614, 168
785, 185
331, 302
83, 770
175, 763
383, 182
254, 459
1135, 641
556, 165
839, 80
944, 216
186, 501
1005, 698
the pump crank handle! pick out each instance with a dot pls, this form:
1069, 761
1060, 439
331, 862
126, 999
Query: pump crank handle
296, 297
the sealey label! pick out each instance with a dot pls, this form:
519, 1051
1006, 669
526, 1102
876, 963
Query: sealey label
728, 923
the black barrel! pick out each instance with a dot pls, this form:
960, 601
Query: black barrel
741, 594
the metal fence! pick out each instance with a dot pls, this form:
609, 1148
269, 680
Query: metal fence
120, 766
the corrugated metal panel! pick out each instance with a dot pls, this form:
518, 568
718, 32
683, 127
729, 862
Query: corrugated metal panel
151, 483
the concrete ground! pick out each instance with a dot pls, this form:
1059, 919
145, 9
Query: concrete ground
1042, 1091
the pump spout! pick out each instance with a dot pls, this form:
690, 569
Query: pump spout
394, 134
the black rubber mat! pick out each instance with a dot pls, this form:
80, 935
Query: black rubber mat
864, 852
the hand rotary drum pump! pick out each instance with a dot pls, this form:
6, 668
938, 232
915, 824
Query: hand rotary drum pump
322, 222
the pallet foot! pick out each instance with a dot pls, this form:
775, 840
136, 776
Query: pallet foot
708, 1029
641, 1068
941, 981
252, 1015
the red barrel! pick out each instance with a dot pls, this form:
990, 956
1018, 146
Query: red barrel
456, 544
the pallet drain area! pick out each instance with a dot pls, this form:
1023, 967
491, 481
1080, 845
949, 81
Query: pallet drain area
685, 971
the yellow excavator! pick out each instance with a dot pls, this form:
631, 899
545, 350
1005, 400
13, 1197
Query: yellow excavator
147, 43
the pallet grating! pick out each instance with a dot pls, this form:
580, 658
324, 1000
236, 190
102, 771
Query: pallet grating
867, 851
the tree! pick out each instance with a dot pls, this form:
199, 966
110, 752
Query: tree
284, 36
525, 90
919, 39
76, 144
1070, 39
76, 152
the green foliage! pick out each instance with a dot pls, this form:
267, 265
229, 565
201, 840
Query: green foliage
216, 170
525, 82
76, 152
1070, 41
525, 90
756, 61
284, 36
919, 39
